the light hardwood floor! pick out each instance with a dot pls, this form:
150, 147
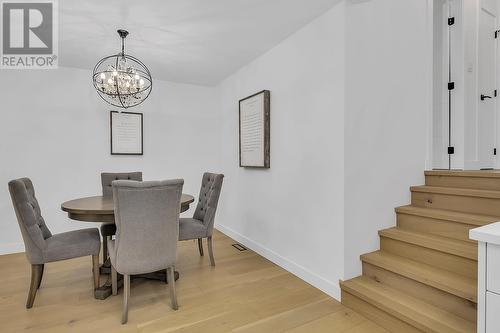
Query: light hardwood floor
243, 293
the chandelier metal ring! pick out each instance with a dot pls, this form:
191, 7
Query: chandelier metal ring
122, 80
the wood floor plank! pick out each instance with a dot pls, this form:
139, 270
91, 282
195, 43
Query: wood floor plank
367, 327
340, 321
292, 318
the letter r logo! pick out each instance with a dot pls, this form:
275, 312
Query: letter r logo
27, 27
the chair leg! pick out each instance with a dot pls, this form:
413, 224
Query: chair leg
36, 273
41, 276
114, 281
210, 251
126, 295
95, 270
200, 246
171, 284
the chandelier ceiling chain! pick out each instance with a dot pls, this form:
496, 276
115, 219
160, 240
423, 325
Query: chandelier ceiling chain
122, 80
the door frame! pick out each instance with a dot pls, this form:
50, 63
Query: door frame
457, 95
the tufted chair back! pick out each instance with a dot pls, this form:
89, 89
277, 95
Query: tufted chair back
211, 185
147, 225
29, 217
108, 177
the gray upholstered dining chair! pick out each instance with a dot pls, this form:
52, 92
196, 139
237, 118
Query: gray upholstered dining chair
147, 228
41, 246
109, 229
201, 225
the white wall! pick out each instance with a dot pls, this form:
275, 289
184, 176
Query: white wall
387, 116
54, 128
293, 212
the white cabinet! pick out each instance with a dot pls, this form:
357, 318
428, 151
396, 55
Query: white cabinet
492, 317
488, 280
493, 268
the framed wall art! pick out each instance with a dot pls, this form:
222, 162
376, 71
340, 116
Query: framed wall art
126, 133
254, 130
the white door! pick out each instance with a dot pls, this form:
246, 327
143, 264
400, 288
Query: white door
486, 88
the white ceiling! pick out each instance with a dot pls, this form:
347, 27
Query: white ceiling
189, 41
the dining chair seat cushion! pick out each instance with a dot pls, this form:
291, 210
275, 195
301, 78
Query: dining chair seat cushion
108, 229
190, 228
72, 244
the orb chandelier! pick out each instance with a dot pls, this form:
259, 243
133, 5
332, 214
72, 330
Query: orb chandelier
122, 80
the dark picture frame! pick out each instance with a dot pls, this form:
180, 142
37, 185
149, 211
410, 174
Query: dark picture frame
266, 129
138, 153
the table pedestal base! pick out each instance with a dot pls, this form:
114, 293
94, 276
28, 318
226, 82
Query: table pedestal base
105, 268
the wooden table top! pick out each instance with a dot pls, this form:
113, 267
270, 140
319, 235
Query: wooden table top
96, 208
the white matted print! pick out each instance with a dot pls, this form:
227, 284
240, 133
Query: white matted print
126, 133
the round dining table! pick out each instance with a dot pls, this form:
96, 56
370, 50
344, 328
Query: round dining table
100, 209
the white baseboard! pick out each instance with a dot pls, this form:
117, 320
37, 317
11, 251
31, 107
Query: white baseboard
326, 286
9, 248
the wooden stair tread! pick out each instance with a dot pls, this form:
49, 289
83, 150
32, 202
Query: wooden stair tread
457, 191
448, 245
447, 281
442, 214
465, 173
415, 312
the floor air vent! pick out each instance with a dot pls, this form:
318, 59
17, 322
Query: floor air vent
239, 247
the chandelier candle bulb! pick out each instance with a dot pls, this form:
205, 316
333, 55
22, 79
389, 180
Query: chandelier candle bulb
123, 72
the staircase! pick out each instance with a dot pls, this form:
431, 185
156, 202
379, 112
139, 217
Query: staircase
424, 277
